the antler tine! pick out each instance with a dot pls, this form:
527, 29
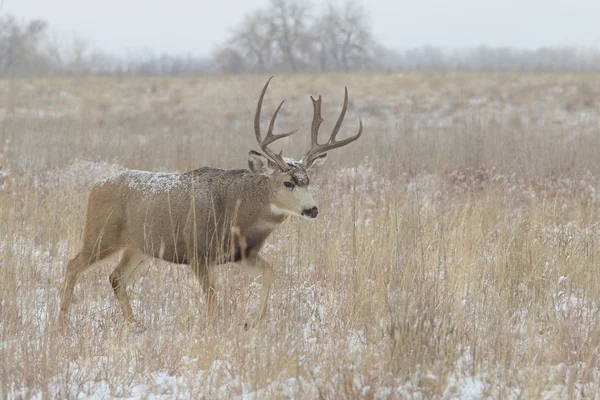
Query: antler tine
316, 122
338, 124
270, 137
318, 149
257, 114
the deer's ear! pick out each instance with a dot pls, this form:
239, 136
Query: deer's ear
259, 164
317, 162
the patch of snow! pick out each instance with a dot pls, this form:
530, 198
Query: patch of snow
148, 182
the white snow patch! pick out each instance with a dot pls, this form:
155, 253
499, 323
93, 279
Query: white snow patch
148, 182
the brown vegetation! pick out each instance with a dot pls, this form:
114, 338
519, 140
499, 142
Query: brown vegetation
456, 249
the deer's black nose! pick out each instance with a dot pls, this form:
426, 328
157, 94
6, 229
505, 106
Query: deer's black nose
311, 212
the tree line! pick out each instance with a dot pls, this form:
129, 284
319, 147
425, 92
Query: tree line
285, 36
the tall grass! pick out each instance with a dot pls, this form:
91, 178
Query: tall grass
455, 253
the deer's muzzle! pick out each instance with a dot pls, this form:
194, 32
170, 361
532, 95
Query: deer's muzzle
310, 212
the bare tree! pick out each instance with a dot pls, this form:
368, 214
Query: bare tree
290, 23
289, 36
253, 40
346, 40
229, 61
19, 47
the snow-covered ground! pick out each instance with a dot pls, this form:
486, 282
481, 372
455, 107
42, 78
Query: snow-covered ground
416, 282
313, 339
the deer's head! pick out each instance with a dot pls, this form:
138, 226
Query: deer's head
289, 178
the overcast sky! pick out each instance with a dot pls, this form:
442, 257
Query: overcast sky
181, 26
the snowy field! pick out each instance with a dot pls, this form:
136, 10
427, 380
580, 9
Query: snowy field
456, 253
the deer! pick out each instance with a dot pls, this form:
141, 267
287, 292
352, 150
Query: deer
202, 218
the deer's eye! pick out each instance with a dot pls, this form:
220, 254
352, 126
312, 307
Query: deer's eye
289, 185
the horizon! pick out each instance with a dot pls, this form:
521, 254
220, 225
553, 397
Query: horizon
122, 29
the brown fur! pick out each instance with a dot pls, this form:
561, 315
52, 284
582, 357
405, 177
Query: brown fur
181, 218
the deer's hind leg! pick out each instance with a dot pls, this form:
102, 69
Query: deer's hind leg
83, 261
132, 259
100, 240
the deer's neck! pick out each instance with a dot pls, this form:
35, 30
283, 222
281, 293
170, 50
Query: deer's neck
253, 212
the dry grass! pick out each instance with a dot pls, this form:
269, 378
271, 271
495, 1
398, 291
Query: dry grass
456, 256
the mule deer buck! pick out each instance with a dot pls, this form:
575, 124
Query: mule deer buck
202, 218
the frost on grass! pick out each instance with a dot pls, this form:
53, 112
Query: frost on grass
121, 370
309, 319
465, 282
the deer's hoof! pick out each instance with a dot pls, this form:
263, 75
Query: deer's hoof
249, 324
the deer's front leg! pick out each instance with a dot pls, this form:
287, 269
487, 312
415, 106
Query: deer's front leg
258, 266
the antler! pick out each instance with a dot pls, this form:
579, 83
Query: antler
318, 149
270, 138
